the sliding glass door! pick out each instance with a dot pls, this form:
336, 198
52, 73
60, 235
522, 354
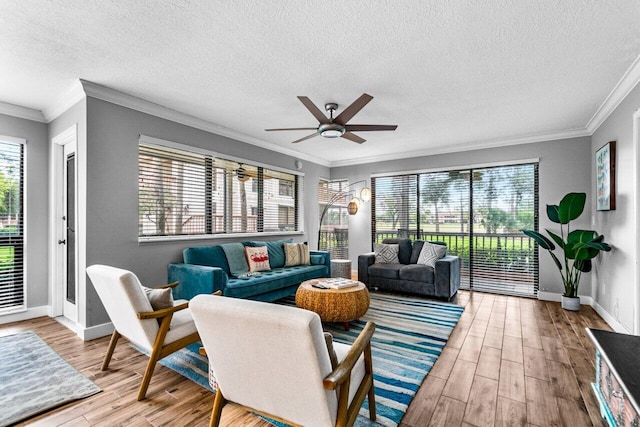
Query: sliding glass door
479, 214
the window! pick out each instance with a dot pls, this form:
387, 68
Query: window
479, 214
12, 292
334, 227
183, 192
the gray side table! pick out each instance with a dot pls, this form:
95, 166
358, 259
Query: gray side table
341, 268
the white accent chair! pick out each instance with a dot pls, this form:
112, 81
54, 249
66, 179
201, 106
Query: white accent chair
159, 332
274, 360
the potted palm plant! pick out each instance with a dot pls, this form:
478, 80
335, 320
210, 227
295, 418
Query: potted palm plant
578, 247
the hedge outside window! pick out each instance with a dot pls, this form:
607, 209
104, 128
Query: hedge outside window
182, 192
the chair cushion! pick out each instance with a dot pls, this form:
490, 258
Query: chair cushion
386, 253
388, 271
417, 273
358, 372
257, 258
296, 254
181, 324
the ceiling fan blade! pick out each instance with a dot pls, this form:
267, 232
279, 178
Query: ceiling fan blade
353, 109
353, 137
269, 130
306, 137
319, 115
364, 128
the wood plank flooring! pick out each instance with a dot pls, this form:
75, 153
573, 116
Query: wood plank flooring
509, 362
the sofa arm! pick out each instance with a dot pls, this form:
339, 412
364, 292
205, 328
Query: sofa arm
364, 261
196, 279
327, 258
447, 276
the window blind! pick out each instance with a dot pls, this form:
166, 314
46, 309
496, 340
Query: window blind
12, 284
185, 193
478, 213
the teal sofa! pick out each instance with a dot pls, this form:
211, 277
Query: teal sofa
206, 270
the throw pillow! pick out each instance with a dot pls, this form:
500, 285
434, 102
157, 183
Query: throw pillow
386, 253
257, 258
159, 298
430, 253
296, 254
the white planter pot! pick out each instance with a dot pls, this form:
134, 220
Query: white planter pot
571, 303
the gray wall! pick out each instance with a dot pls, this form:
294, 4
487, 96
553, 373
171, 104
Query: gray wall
565, 166
614, 284
37, 202
112, 191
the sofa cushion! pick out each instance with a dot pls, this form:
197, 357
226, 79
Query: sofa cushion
417, 247
404, 249
275, 249
257, 258
212, 256
296, 254
386, 253
388, 271
316, 259
267, 281
236, 258
430, 253
417, 273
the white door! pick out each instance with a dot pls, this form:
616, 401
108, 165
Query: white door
67, 235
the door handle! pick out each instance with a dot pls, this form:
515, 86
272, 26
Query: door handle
62, 242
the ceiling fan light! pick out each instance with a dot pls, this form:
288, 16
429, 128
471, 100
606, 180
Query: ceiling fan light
332, 133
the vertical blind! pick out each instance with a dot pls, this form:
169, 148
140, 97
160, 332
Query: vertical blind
479, 214
186, 193
12, 292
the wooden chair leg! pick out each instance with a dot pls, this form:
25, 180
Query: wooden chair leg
148, 373
218, 403
112, 346
372, 403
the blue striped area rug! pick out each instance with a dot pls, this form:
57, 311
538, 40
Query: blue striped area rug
410, 335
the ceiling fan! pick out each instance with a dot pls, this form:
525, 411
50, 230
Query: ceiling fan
331, 127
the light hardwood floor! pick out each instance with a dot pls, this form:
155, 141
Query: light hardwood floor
510, 361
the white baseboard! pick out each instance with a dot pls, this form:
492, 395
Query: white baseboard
587, 300
611, 321
98, 331
30, 313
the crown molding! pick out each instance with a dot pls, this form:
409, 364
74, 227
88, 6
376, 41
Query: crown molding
626, 84
63, 103
120, 98
468, 146
21, 112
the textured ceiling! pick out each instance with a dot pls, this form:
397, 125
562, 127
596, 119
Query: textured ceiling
450, 74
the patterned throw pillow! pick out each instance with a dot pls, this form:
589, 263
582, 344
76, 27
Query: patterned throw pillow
386, 253
296, 254
257, 258
430, 253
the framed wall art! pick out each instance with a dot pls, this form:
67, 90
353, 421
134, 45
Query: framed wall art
606, 177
